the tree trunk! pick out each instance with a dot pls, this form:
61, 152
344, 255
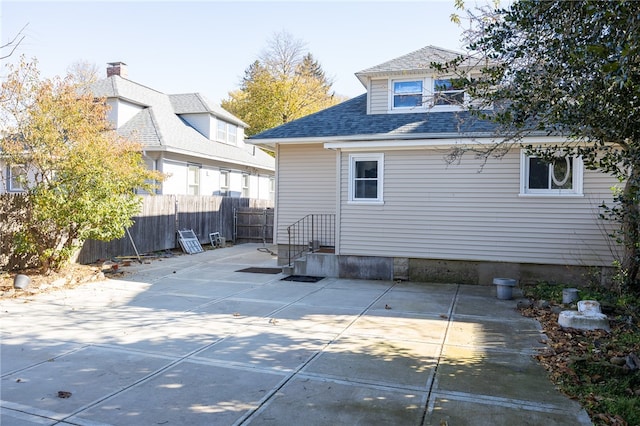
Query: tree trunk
631, 231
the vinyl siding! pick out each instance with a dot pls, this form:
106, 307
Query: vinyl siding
306, 184
469, 212
379, 97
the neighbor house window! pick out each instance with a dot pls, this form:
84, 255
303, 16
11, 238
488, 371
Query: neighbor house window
245, 185
272, 188
224, 182
560, 176
222, 131
407, 93
15, 179
193, 179
448, 92
365, 177
227, 132
232, 134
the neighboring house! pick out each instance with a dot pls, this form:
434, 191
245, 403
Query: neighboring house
199, 146
367, 181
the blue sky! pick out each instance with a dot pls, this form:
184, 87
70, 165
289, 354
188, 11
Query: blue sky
205, 46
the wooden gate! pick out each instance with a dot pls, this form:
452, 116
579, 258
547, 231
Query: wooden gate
253, 225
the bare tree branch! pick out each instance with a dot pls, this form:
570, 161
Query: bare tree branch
13, 44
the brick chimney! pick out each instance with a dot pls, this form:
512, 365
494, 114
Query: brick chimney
117, 68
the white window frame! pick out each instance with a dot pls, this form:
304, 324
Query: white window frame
436, 92
225, 176
272, 188
355, 158
221, 131
245, 185
14, 173
392, 85
193, 186
232, 134
577, 179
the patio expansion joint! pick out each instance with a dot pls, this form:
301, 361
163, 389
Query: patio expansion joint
499, 401
299, 371
430, 400
176, 360
386, 386
31, 366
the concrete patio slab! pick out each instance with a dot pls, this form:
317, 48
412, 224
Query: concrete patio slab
269, 347
188, 340
384, 362
469, 410
522, 334
324, 402
187, 393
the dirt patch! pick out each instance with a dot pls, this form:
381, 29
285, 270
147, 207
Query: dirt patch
74, 275
70, 277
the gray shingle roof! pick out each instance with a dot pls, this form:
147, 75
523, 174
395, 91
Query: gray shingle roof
188, 103
350, 119
420, 59
159, 127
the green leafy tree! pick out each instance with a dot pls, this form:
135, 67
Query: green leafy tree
281, 86
79, 177
566, 68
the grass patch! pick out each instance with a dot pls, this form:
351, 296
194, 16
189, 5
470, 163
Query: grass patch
589, 365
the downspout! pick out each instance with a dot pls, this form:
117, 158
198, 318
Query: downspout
338, 200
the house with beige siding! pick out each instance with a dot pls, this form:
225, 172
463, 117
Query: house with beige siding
364, 190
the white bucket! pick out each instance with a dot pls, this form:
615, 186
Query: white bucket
21, 282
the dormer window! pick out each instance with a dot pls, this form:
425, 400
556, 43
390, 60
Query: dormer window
407, 93
447, 92
420, 95
227, 132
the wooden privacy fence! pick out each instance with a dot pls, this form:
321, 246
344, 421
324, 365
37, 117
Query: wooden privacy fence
253, 225
162, 216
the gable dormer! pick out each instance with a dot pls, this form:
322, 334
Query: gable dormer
409, 84
213, 122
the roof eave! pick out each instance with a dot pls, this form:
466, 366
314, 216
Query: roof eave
272, 142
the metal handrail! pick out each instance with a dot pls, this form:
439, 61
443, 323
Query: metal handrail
311, 233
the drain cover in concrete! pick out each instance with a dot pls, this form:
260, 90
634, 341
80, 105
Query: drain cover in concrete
302, 278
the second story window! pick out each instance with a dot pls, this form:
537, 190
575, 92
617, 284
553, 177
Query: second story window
407, 94
447, 92
232, 134
222, 131
227, 132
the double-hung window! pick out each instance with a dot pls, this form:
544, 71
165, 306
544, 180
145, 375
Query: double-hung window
560, 176
232, 134
15, 179
245, 185
447, 92
193, 179
407, 94
365, 178
272, 188
222, 131
224, 182
227, 132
